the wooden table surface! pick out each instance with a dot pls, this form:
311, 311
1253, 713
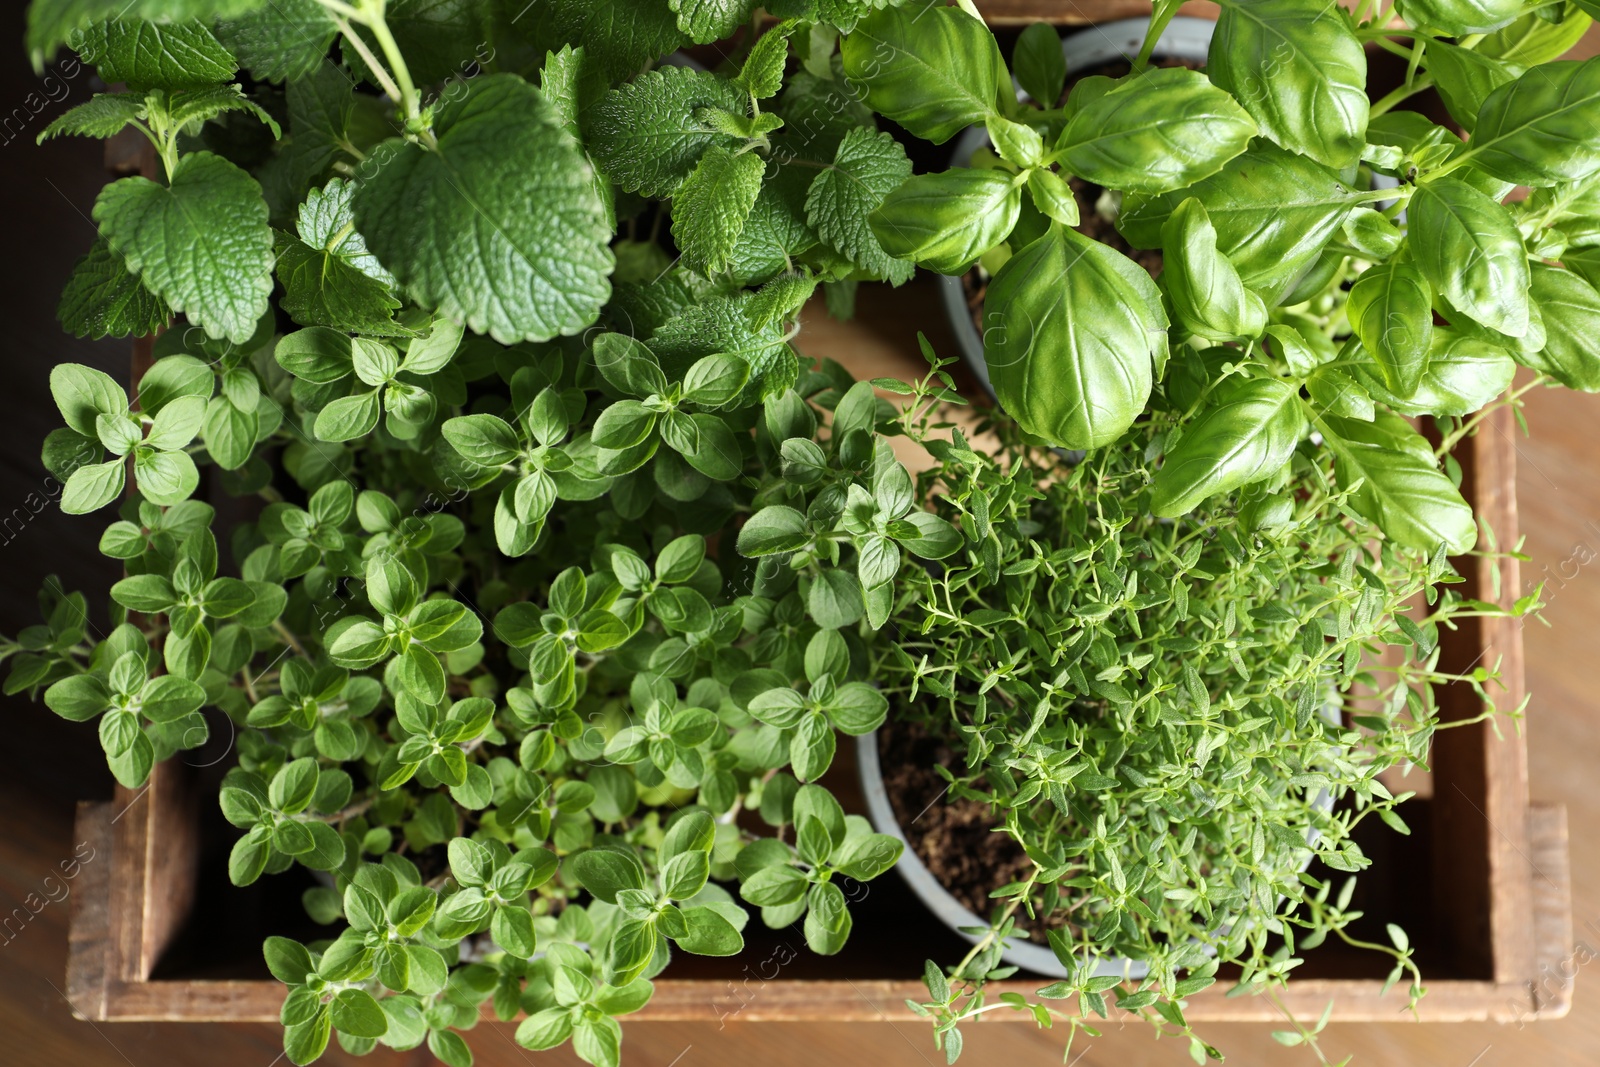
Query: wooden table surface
46, 764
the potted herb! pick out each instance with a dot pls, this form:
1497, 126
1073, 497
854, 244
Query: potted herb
1102, 51
564, 573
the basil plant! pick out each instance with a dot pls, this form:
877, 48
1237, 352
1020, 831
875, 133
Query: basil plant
555, 572
1331, 266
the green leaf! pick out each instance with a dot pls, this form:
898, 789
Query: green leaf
1299, 69
714, 380
646, 136
598, 1040
450, 1048
762, 73
292, 787
1165, 129
1463, 374
605, 872
866, 169
1274, 212
945, 221
1571, 310
775, 886
1391, 310
319, 355
1465, 77
775, 528
1535, 39
104, 299
812, 749
78, 698
512, 930
856, 708
710, 934
193, 106
1469, 247
201, 243
1040, 66
934, 70
1208, 299
1403, 491
356, 1013
545, 1029
1541, 128
710, 207
828, 921
348, 417
168, 698
148, 55
1072, 328
103, 115
305, 1042
51, 24
723, 326
165, 478
281, 40
1248, 434
329, 277
82, 394
500, 224
622, 36
440, 39
705, 21
93, 486
1458, 18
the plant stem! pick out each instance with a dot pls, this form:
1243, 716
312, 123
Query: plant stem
1159, 20
290, 639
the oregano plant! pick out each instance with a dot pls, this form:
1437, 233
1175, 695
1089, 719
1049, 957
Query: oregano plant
560, 572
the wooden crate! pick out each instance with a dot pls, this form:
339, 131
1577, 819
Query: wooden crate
1483, 886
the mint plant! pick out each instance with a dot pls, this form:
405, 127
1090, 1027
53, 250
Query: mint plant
562, 571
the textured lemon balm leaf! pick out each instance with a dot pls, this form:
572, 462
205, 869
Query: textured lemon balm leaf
202, 243
499, 223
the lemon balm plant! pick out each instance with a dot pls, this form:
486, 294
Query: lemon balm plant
565, 571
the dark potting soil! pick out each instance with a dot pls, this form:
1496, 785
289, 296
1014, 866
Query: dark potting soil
957, 840
1090, 222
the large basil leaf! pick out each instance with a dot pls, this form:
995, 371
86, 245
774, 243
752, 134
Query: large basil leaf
934, 70
1542, 128
1535, 39
1468, 247
1208, 299
1274, 212
947, 220
1465, 77
1403, 492
499, 224
1463, 374
1571, 310
1298, 67
1391, 310
1457, 18
1247, 435
1071, 329
1163, 130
